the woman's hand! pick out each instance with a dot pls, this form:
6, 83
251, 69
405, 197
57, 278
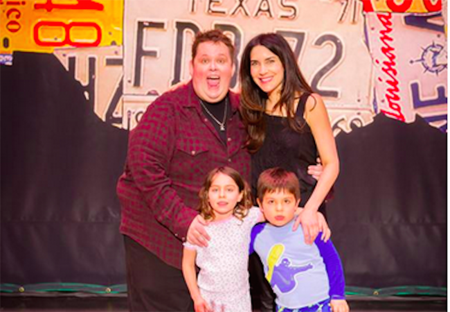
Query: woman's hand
323, 224
324, 228
197, 234
310, 224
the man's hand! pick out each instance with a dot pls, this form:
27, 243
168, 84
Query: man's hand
339, 306
197, 234
316, 170
310, 225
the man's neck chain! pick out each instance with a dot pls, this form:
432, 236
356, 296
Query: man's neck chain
221, 124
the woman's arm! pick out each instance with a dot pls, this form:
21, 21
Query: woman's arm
323, 225
317, 118
190, 276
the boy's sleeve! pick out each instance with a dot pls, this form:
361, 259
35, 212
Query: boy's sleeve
255, 231
334, 268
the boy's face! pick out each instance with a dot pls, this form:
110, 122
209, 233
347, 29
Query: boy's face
279, 207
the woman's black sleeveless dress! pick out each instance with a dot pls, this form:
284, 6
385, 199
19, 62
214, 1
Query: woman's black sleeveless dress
288, 149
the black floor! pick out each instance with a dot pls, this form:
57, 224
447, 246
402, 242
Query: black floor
118, 303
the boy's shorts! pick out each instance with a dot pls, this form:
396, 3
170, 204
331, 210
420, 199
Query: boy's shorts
322, 306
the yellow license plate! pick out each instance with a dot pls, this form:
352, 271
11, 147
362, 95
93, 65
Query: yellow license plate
43, 25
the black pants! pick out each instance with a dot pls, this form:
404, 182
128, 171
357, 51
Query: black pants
262, 295
152, 284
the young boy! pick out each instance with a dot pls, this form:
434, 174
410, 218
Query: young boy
305, 278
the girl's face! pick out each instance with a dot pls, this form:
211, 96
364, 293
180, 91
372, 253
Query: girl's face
223, 196
266, 69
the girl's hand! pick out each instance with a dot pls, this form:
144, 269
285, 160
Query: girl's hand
220, 308
310, 225
197, 234
200, 305
339, 306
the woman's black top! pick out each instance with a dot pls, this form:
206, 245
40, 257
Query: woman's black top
283, 147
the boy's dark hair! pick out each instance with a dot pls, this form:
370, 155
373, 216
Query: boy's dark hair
215, 36
278, 179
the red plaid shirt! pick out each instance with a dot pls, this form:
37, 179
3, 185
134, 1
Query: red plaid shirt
170, 152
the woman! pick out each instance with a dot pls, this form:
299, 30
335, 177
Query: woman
287, 124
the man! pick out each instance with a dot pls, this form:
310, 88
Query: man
183, 135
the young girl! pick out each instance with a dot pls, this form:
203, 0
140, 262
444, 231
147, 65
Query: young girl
222, 283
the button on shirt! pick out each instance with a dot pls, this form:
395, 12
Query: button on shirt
169, 154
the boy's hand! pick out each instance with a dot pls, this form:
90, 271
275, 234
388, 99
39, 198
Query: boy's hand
339, 305
197, 234
200, 305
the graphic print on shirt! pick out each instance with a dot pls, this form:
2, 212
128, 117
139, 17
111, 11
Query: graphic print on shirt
282, 275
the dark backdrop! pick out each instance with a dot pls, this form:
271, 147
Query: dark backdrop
60, 214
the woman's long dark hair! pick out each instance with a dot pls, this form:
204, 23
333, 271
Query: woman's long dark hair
253, 99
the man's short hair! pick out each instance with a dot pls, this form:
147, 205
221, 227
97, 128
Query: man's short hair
216, 36
278, 179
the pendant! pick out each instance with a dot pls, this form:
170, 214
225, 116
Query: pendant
222, 127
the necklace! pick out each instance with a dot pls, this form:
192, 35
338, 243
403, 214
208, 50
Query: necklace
221, 124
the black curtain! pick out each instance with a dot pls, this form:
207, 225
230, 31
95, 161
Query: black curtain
60, 214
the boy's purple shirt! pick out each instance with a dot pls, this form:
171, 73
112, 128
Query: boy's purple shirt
331, 260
